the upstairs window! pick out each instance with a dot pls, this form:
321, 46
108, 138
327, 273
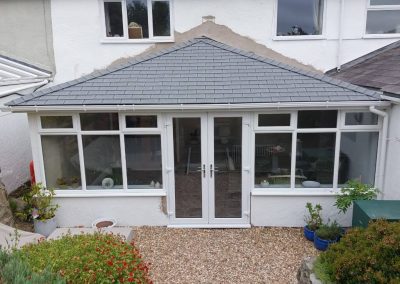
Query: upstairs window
383, 17
137, 19
300, 17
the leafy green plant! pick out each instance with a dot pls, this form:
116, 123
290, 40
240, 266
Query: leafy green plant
329, 231
96, 258
39, 204
354, 190
314, 219
370, 255
14, 270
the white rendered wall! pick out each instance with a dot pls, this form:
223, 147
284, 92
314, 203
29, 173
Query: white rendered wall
127, 211
78, 48
392, 169
289, 211
15, 147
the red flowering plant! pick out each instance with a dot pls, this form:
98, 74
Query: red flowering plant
85, 258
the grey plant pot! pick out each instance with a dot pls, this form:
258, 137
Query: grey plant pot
45, 227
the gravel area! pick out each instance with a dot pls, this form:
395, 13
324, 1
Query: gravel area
256, 255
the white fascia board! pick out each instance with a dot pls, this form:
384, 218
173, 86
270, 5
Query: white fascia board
390, 98
202, 107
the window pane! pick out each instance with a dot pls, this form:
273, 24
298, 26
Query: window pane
138, 23
113, 18
161, 19
383, 22
314, 159
282, 119
102, 156
317, 119
358, 151
361, 118
99, 121
273, 159
385, 2
143, 161
300, 17
61, 161
56, 121
142, 121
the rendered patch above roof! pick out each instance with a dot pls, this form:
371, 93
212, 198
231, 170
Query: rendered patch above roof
199, 71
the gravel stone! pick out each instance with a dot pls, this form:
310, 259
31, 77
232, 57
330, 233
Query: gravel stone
255, 255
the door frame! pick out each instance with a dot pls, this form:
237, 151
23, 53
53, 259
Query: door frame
207, 141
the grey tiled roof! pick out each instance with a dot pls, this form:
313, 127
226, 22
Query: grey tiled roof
379, 69
199, 71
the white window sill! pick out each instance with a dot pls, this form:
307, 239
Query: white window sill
110, 193
136, 41
374, 36
305, 37
293, 192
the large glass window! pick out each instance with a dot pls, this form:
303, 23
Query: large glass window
273, 153
138, 19
300, 17
361, 118
143, 161
315, 159
358, 152
383, 17
102, 156
61, 161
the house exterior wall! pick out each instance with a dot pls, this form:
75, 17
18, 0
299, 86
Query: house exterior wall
77, 31
25, 32
15, 150
392, 168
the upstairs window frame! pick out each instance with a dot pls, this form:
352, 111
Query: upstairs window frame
125, 38
321, 36
370, 7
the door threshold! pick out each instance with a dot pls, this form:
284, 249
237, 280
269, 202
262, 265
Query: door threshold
210, 226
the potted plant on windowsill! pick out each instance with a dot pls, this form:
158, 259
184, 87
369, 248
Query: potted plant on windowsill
40, 209
313, 220
327, 234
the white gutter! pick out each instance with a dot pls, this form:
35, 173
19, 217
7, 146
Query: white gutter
340, 37
24, 87
182, 107
382, 160
390, 98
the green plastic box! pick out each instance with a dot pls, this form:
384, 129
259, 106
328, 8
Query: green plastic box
367, 210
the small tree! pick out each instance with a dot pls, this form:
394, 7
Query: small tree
314, 220
355, 190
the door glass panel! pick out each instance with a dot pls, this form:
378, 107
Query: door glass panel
187, 158
228, 167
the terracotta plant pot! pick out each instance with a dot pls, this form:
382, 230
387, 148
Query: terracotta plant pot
45, 227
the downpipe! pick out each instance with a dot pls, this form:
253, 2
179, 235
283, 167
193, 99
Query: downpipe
382, 160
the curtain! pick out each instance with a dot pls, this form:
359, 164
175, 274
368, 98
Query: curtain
318, 16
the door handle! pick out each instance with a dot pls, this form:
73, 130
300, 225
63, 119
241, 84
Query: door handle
211, 170
203, 170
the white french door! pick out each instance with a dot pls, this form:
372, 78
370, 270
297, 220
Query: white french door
208, 170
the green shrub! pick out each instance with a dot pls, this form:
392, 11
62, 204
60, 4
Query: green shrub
329, 232
370, 255
97, 258
354, 190
14, 270
314, 220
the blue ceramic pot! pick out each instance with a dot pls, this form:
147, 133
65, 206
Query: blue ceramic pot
321, 244
308, 234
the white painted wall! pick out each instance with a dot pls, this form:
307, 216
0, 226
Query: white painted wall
78, 48
128, 211
392, 169
15, 147
289, 211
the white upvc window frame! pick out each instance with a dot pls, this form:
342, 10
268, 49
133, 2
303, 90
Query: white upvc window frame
338, 130
83, 191
370, 7
322, 36
125, 38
